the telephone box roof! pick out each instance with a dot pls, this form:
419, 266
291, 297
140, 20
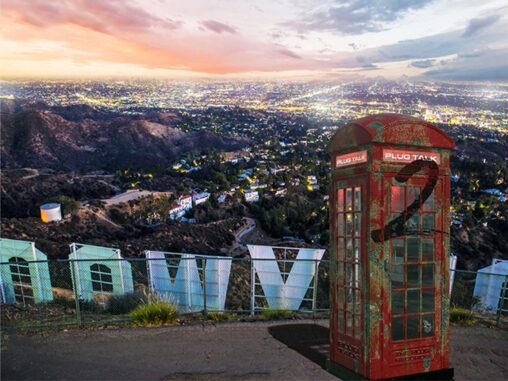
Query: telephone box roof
393, 129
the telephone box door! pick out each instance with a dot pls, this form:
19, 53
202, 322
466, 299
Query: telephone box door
414, 246
349, 221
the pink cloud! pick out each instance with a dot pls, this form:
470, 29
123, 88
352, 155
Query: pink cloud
218, 27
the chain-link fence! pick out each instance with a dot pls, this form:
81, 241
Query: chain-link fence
86, 291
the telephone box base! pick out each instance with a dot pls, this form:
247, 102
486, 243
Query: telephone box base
346, 374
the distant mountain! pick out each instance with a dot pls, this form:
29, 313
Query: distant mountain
82, 138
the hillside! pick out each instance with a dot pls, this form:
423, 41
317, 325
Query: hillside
83, 139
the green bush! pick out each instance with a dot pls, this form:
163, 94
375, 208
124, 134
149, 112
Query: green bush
155, 311
462, 316
123, 304
274, 314
218, 316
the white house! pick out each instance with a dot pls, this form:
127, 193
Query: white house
489, 285
185, 202
251, 195
200, 198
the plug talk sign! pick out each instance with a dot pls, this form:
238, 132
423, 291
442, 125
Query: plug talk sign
406, 157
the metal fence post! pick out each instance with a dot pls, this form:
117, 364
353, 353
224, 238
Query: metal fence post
252, 287
75, 289
204, 286
314, 286
500, 310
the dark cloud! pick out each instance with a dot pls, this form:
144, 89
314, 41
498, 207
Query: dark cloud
288, 53
358, 16
423, 64
480, 23
491, 65
218, 27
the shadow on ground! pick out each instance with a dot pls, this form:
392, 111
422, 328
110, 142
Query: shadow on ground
310, 340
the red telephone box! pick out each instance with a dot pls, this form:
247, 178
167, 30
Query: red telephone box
389, 246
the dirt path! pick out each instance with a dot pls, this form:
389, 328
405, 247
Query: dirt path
239, 351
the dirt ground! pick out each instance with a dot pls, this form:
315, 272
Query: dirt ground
238, 351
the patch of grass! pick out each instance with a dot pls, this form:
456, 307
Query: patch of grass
462, 316
276, 313
155, 311
123, 304
219, 316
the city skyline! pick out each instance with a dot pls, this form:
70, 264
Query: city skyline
457, 40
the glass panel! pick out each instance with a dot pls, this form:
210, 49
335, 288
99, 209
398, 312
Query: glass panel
340, 297
349, 324
398, 328
427, 250
340, 321
398, 302
428, 205
358, 200
428, 301
349, 249
413, 327
95, 276
357, 296
340, 224
107, 278
413, 194
349, 274
428, 223
397, 199
428, 275
358, 331
356, 269
397, 276
349, 199
357, 250
357, 224
340, 273
427, 325
413, 276
413, 301
349, 299
340, 200
413, 249
413, 225
398, 251
349, 224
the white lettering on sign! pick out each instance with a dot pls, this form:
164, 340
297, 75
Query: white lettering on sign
351, 159
402, 156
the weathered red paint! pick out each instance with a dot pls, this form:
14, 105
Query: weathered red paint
390, 338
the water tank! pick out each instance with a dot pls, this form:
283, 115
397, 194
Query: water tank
51, 212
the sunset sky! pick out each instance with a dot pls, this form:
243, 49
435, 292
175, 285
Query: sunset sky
451, 40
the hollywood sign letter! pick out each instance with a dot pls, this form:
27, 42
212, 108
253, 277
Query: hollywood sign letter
186, 287
280, 294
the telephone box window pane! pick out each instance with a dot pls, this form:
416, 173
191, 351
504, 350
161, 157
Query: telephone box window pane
340, 200
349, 299
349, 249
340, 224
349, 275
398, 302
428, 223
428, 301
349, 324
356, 269
398, 251
413, 301
349, 199
427, 250
413, 196
340, 297
357, 296
340, 321
428, 205
340, 249
413, 276
413, 249
349, 224
398, 276
413, 327
427, 325
357, 224
358, 200
428, 274
357, 250
398, 328
357, 326
413, 225
397, 199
